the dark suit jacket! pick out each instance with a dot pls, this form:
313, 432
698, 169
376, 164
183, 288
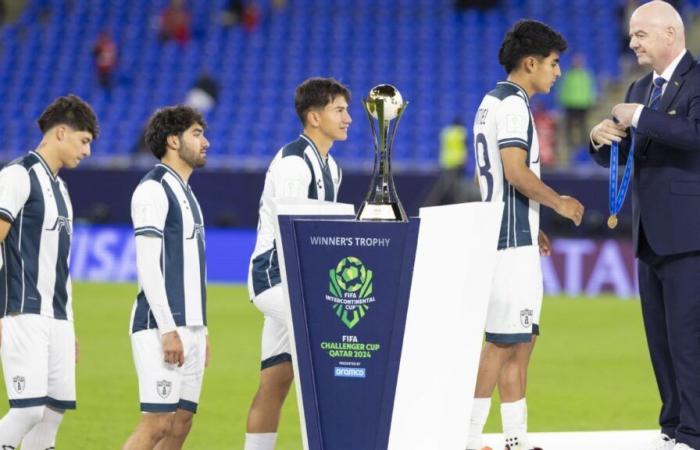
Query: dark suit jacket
666, 183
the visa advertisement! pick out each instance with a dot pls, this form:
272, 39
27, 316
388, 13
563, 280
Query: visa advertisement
577, 266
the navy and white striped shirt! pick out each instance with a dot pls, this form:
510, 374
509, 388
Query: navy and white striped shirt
164, 207
297, 171
504, 121
34, 277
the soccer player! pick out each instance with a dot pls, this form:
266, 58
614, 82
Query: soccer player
508, 159
38, 347
169, 337
301, 169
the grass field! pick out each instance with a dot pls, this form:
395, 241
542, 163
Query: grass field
590, 371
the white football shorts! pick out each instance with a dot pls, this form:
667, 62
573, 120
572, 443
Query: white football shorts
164, 387
275, 336
38, 361
516, 296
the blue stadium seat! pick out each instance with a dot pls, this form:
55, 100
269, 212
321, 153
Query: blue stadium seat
442, 61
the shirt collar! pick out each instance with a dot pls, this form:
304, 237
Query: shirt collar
185, 186
44, 164
668, 73
321, 159
520, 88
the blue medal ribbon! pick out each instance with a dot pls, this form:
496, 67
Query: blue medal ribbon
617, 196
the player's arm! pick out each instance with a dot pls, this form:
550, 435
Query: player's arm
527, 183
14, 192
149, 208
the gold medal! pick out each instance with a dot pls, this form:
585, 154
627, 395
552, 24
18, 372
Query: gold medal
612, 221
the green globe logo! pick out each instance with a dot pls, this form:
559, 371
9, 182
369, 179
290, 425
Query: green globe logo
350, 274
350, 284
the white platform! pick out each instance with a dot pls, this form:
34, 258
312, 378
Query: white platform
589, 440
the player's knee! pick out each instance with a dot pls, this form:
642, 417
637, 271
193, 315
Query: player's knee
181, 426
277, 379
158, 425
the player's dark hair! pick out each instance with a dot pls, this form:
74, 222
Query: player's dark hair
69, 110
170, 121
317, 93
529, 38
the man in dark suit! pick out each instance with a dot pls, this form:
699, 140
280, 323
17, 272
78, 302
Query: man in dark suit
662, 110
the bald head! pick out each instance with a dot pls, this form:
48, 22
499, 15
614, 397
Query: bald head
657, 34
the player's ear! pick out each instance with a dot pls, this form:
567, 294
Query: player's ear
172, 141
529, 64
60, 132
312, 118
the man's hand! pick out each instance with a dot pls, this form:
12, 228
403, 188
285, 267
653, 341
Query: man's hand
172, 348
207, 354
624, 112
544, 245
608, 131
570, 208
77, 350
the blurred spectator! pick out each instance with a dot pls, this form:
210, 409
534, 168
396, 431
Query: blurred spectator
475, 4
176, 23
546, 126
204, 94
233, 12
105, 52
450, 187
251, 16
279, 5
577, 95
242, 12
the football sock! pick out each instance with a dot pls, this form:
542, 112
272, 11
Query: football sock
43, 435
16, 423
480, 412
514, 418
260, 441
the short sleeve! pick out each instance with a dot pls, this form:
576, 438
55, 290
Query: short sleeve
291, 177
513, 123
14, 191
149, 208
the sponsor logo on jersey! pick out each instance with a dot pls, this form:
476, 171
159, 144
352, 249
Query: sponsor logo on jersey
62, 223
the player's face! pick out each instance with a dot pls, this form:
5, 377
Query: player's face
546, 72
193, 146
75, 146
646, 41
334, 119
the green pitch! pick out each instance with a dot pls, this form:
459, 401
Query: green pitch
590, 371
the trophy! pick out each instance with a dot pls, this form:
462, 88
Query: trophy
384, 103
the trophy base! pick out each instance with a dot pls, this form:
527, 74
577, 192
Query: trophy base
390, 211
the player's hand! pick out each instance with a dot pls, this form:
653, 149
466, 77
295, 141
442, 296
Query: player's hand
570, 208
77, 350
608, 131
544, 245
624, 112
207, 353
173, 351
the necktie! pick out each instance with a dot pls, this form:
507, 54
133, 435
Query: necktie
655, 97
